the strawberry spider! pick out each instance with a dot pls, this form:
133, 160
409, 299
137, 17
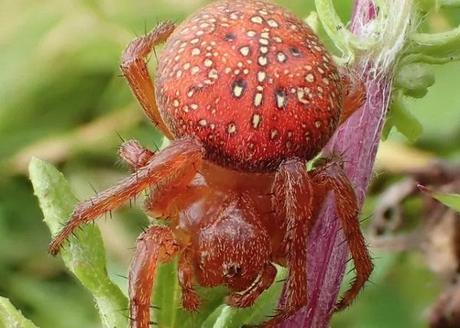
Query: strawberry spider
247, 94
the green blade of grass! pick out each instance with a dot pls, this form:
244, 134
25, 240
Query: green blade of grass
84, 254
166, 295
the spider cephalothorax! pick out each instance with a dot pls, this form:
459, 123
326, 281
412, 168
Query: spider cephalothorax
247, 94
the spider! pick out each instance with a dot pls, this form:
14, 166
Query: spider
248, 95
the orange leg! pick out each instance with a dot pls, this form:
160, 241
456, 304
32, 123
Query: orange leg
332, 177
134, 67
250, 295
156, 245
134, 154
179, 160
354, 93
293, 193
190, 299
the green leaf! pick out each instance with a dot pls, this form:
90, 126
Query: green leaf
434, 48
401, 118
448, 199
427, 5
312, 20
345, 41
84, 255
166, 295
414, 79
449, 3
227, 317
11, 317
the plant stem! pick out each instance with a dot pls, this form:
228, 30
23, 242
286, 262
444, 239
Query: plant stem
357, 141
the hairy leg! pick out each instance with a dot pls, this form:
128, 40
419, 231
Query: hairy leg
181, 159
332, 177
354, 93
190, 298
249, 296
156, 245
134, 67
132, 152
294, 197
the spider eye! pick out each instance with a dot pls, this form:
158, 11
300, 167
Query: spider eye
232, 270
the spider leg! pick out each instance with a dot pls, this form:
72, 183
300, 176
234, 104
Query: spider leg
133, 153
248, 297
334, 178
354, 93
177, 162
134, 68
294, 195
190, 299
156, 245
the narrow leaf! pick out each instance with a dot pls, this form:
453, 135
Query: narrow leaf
166, 295
449, 3
448, 199
443, 45
84, 254
11, 317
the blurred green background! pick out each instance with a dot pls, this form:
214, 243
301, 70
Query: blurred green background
62, 99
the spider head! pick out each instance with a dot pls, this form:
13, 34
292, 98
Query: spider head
232, 250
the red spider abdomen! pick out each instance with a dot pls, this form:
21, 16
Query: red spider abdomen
251, 82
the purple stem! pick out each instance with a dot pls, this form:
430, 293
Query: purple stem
358, 141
